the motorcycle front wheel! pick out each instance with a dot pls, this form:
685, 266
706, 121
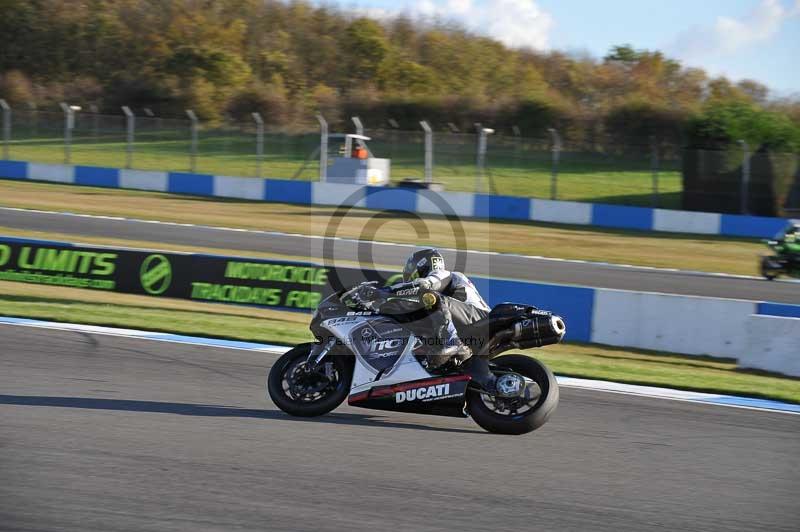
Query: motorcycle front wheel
300, 390
516, 416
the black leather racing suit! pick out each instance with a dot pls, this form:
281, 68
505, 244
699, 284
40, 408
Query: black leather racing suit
443, 327
462, 299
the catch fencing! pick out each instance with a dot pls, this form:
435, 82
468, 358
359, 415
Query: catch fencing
542, 164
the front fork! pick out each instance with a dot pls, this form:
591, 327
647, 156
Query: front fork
318, 352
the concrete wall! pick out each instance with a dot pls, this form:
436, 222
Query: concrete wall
773, 344
678, 324
422, 201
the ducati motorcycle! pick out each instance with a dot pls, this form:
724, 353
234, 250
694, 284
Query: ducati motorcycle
375, 362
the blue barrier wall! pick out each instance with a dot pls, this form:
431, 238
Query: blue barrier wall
622, 318
411, 200
777, 309
574, 304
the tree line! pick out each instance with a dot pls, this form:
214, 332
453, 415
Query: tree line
288, 60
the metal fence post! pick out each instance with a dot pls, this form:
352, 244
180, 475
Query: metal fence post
517, 145
479, 157
323, 148
428, 151
95, 121
556, 151
259, 142
654, 168
130, 130
745, 185
6, 127
69, 125
483, 133
359, 126
34, 118
193, 146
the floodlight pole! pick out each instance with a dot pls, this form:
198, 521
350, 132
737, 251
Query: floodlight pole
193, 146
745, 186
130, 131
259, 142
69, 125
556, 154
428, 151
323, 148
6, 127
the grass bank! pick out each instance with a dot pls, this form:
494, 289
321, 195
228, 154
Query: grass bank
262, 325
689, 252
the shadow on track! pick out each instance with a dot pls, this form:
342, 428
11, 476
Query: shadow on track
188, 409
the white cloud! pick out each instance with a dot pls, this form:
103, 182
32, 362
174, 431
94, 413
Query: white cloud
516, 23
729, 35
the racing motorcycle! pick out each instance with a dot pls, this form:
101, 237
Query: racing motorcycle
375, 362
778, 263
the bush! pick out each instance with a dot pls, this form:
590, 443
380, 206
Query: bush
16, 88
724, 123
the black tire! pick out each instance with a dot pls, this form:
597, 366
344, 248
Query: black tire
768, 273
344, 368
524, 422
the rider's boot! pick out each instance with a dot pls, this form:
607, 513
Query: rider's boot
478, 369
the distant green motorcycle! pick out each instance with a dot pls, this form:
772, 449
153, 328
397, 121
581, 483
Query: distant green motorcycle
786, 257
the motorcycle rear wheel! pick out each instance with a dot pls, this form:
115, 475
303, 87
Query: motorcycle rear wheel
281, 383
768, 269
534, 416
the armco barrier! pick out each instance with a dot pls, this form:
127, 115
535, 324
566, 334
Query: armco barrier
407, 199
663, 322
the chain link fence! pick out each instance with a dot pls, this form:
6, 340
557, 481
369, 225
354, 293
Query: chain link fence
512, 164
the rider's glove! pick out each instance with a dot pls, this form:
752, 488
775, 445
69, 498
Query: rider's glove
423, 284
365, 295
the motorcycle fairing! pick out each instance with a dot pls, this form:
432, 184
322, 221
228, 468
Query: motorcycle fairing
387, 375
408, 387
380, 342
439, 396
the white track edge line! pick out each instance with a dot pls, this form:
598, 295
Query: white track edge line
357, 241
588, 384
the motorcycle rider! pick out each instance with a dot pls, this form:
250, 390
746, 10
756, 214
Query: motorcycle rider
790, 242
461, 305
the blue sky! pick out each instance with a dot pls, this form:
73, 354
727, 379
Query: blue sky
757, 39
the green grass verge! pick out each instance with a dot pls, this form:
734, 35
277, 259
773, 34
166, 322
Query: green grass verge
688, 252
259, 325
513, 169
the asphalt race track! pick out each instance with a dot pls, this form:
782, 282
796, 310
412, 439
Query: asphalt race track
106, 434
487, 264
